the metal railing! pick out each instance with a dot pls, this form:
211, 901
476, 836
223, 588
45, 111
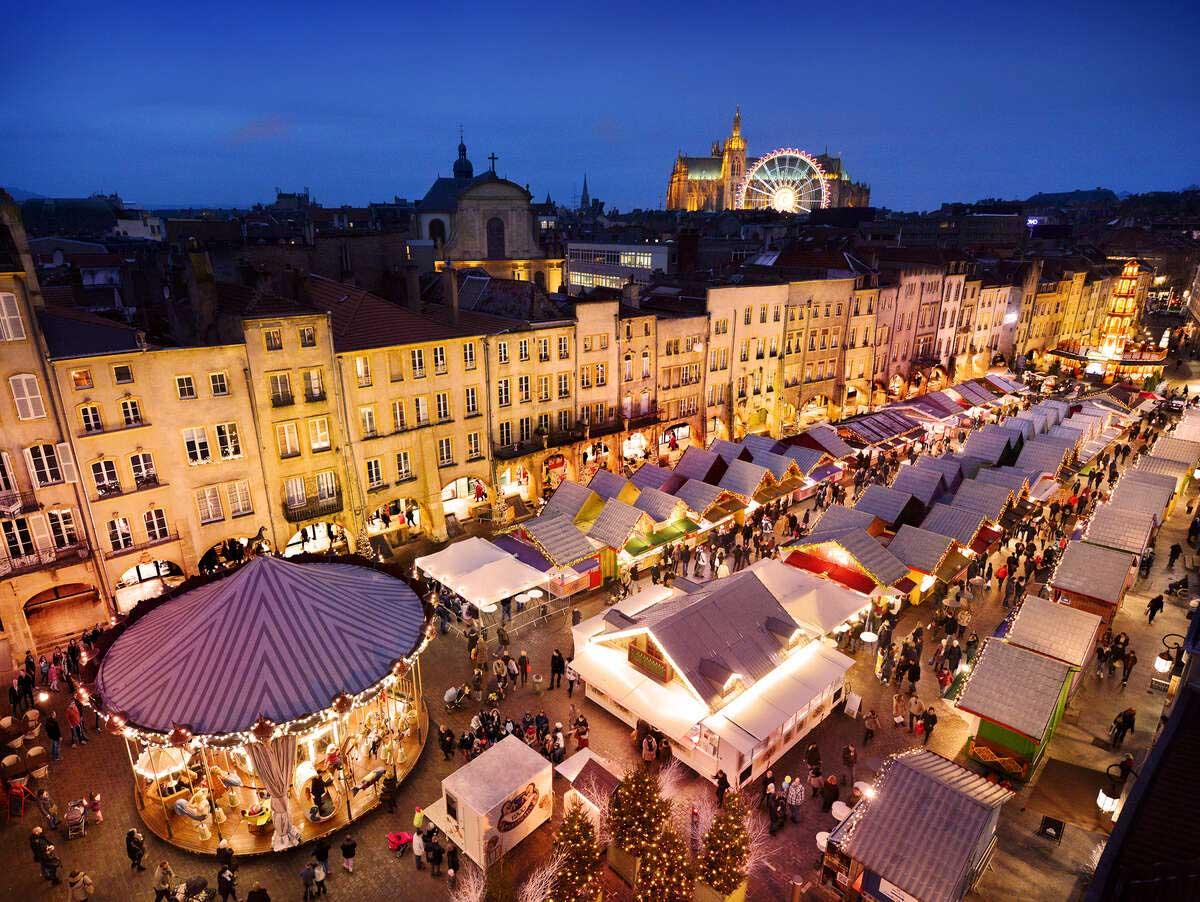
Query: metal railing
312, 508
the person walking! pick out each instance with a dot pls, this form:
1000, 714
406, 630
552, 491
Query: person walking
54, 734
928, 720
50, 865
558, 667
308, 878
349, 849
1122, 724
1154, 608
1176, 551
75, 722
321, 853
915, 710
227, 884
79, 886
870, 725
1127, 665
38, 843
572, 677
135, 848
164, 876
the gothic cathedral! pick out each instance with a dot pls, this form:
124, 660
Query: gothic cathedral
709, 183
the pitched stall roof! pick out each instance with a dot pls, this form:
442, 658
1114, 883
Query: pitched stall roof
920, 549
781, 467
883, 566
570, 499
948, 466
838, 519
991, 447
618, 522
1013, 478
1043, 455
1022, 427
702, 497
888, 504
989, 500
827, 438
1177, 449
761, 444
1039, 418
1093, 571
745, 478
1143, 492
924, 829
1124, 530
661, 507
1055, 630
922, 483
729, 451
1015, 688
1161, 466
608, 484
696, 463
558, 539
651, 476
808, 459
959, 523
879, 428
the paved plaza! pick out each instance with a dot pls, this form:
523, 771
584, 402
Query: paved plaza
1025, 866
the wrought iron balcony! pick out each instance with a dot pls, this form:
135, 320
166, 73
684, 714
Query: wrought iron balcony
312, 508
41, 560
14, 503
283, 399
171, 536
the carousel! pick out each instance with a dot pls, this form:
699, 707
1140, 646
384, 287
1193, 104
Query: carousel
271, 706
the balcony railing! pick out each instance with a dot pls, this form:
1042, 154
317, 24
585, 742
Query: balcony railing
312, 508
113, 427
13, 503
51, 557
283, 399
313, 396
171, 536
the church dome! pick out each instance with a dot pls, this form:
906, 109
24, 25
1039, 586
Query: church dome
462, 166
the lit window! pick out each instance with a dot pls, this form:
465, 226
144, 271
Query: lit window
81, 378
228, 443
273, 339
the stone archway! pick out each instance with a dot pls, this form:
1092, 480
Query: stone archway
148, 578
62, 612
319, 537
465, 498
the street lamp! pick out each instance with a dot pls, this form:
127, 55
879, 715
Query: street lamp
1171, 653
1109, 795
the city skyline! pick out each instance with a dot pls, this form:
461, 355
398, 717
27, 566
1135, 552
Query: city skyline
190, 122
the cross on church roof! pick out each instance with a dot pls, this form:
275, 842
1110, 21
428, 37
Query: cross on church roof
493, 158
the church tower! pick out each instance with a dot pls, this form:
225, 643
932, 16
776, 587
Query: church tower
585, 201
462, 166
733, 161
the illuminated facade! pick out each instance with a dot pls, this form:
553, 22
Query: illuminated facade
600, 265
711, 182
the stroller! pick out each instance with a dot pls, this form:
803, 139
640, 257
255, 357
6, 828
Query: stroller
399, 842
75, 819
456, 701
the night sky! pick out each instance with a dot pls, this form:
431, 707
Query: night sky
215, 103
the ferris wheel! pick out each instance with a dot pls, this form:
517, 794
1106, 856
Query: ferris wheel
787, 180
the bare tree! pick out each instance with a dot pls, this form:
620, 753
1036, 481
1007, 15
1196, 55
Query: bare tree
539, 885
470, 883
758, 829
672, 778
599, 794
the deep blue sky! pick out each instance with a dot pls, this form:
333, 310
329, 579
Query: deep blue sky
218, 103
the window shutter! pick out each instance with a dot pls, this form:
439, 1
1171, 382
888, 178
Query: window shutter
11, 327
20, 393
33, 476
66, 461
8, 479
41, 532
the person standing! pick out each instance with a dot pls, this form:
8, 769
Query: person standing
870, 725
79, 886
1154, 608
523, 667
227, 884
135, 848
558, 667
349, 849
418, 847
434, 852
258, 894
929, 720
54, 734
308, 878
915, 711
75, 722
320, 872
50, 865
794, 798
722, 788
163, 878
572, 676
1176, 551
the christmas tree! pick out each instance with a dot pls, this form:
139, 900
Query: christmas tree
637, 812
726, 849
666, 871
578, 875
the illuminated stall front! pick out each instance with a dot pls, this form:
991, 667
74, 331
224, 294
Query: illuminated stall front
267, 707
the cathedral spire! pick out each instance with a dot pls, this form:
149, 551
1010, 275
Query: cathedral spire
463, 169
737, 120
584, 200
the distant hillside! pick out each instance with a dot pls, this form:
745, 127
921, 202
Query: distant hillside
19, 194
1095, 197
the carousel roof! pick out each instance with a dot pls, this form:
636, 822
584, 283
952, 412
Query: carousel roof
274, 639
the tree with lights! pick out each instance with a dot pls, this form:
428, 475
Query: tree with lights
636, 815
725, 858
578, 875
666, 871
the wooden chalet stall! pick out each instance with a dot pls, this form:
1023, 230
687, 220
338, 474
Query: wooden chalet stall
1057, 631
1093, 578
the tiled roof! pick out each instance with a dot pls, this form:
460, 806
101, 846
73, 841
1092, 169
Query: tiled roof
1011, 478
971, 465
959, 523
759, 444
1014, 687
1161, 466
948, 466
924, 484
920, 549
650, 476
925, 829
1122, 529
744, 477
987, 446
1055, 630
608, 484
616, 523
1177, 449
696, 463
776, 463
1093, 571
569, 499
1022, 427
1143, 492
77, 333
885, 503
659, 505
1042, 455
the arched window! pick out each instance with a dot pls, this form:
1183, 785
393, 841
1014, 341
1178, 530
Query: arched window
495, 238
628, 374
437, 231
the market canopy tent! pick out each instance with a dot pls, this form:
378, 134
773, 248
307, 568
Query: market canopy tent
274, 639
459, 559
482, 577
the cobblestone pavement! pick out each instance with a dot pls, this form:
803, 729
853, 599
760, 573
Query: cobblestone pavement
1024, 866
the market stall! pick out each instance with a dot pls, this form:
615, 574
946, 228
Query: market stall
494, 801
608, 485
924, 484
1093, 578
480, 572
1018, 697
593, 780
1057, 631
710, 504
572, 559
1123, 530
264, 707
930, 557
966, 526
890, 505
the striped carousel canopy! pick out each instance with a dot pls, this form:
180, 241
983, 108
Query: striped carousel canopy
275, 639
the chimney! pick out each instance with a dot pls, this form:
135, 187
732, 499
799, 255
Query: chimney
412, 287
450, 292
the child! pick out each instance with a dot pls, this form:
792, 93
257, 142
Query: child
349, 849
94, 807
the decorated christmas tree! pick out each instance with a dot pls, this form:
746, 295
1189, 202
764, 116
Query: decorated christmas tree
726, 851
637, 812
666, 871
578, 874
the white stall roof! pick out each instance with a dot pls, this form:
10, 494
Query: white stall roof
486, 781
812, 601
460, 558
762, 712
1055, 630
